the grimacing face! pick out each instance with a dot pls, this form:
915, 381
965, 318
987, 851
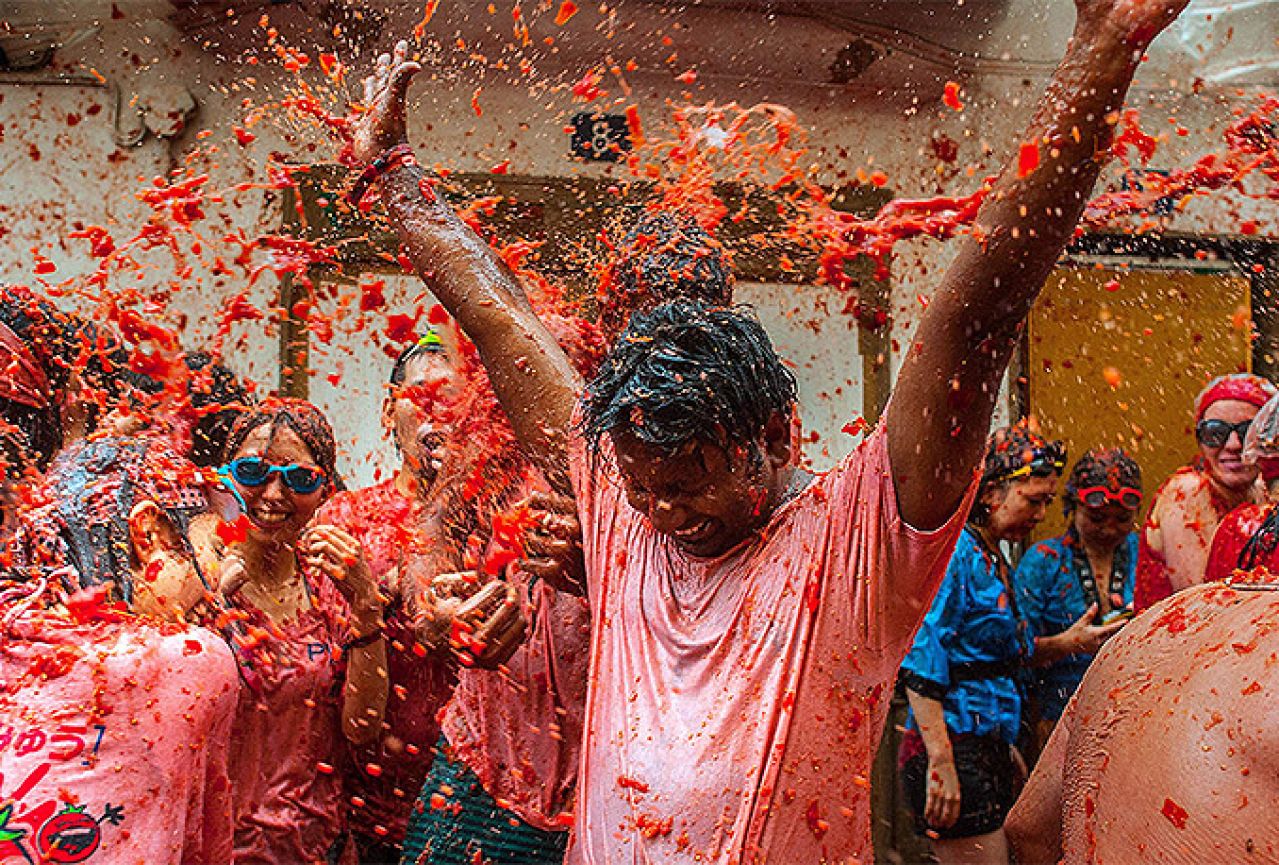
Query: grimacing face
1225, 464
418, 414
706, 497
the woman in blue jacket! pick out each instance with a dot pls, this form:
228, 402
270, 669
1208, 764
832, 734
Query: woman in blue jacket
961, 674
1086, 574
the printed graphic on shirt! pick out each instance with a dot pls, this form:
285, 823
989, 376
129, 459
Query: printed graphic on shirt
47, 830
71, 835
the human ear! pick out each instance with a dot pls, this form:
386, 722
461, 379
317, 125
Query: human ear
165, 583
776, 441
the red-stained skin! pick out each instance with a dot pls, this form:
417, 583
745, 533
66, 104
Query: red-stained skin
1170, 750
1226, 467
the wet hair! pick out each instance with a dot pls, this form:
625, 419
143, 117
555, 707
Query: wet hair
427, 345
1015, 453
50, 334
219, 399
685, 372
664, 257
1110, 468
302, 417
90, 492
62, 344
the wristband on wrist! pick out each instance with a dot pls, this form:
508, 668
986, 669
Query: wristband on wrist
400, 154
364, 642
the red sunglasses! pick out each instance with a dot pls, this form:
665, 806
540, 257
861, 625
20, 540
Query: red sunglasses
1096, 497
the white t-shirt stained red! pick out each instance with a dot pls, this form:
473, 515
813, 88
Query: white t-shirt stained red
735, 703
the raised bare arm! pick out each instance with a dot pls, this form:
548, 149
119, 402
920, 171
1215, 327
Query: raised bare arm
941, 409
530, 372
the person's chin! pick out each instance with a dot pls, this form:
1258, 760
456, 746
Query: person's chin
1236, 476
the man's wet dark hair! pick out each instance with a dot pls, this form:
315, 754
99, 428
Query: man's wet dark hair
685, 371
219, 399
664, 257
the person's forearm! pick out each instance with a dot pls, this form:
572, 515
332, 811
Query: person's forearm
949, 379
529, 371
931, 718
365, 690
1025, 221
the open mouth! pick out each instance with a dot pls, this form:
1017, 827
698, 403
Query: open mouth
269, 518
695, 534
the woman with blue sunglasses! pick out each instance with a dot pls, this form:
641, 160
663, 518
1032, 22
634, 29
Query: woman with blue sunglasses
308, 635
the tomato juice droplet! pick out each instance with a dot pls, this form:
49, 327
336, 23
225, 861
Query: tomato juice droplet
950, 96
1176, 815
1027, 158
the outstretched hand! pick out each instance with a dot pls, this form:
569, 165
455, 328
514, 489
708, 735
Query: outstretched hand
1137, 22
382, 124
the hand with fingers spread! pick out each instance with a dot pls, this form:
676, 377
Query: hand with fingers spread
553, 545
332, 552
381, 126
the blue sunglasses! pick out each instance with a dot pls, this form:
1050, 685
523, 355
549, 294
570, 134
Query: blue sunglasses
256, 472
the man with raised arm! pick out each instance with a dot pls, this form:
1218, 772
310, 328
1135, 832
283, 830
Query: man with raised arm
748, 617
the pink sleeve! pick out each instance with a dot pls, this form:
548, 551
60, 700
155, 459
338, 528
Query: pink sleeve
599, 505
887, 569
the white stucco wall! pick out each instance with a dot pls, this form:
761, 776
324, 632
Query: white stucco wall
61, 164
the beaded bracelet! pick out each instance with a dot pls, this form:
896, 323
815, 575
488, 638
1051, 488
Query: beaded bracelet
400, 154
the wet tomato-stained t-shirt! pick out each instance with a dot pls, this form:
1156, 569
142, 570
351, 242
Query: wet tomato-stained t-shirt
735, 703
519, 728
113, 743
1232, 539
288, 751
382, 519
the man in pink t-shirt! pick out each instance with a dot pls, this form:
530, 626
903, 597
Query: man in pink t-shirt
747, 617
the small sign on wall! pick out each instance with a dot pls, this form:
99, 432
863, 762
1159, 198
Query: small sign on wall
600, 137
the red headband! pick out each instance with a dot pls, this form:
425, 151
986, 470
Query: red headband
22, 379
1245, 388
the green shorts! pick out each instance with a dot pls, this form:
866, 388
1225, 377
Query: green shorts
467, 826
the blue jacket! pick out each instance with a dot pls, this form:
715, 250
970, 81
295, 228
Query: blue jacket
972, 620
1051, 599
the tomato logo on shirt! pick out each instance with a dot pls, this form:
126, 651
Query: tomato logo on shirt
72, 835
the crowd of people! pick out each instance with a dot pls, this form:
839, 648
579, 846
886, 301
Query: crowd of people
1003, 649
643, 635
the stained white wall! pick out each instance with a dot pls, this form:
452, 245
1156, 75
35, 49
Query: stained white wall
62, 165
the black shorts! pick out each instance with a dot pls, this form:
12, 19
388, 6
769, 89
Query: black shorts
987, 786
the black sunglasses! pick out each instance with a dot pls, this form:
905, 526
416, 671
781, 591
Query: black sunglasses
255, 471
1215, 433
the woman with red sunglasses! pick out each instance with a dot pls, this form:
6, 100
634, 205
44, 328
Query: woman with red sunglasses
1075, 590
1247, 538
